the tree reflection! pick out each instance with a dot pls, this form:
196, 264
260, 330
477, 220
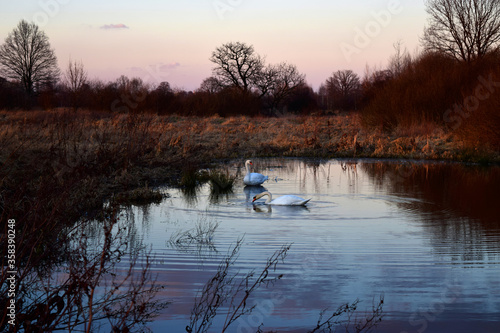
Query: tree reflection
101, 280
458, 203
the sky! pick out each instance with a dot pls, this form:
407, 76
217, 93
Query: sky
173, 40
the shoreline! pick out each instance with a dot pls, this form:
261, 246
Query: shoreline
91, 155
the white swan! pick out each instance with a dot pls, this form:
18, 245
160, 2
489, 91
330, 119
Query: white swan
253, 178
285, 200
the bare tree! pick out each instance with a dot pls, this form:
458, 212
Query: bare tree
237, 65
464, 29
343, 88
75, 78
241, 70
279, 81
26, 56
400, 60
323, 98
211, 85
164, 88
344, 82
266, 79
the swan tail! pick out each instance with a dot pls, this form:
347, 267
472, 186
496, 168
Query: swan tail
306, 201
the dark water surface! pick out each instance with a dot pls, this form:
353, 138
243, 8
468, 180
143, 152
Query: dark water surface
425, 236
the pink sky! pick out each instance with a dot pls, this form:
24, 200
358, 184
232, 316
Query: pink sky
172, 42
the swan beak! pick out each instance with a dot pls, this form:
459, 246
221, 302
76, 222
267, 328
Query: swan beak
254, 198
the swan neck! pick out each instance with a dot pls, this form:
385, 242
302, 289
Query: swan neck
247, 166
269, 197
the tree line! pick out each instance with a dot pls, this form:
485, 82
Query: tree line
242, 83
460, 48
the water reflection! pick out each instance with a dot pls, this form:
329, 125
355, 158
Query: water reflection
469, 191
457, 203
217, 194
220, 184
282, 210
103, 267
190, 195
410, 231
252, 191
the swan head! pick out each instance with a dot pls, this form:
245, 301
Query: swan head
247, 165
260, 195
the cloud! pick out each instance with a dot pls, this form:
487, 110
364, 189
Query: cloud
172, 65
114, 26
157, 68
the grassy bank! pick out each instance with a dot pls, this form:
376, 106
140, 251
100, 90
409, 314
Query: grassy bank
93, 155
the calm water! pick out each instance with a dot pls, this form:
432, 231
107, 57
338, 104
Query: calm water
425, 236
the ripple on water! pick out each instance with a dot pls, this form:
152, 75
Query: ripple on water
366, 232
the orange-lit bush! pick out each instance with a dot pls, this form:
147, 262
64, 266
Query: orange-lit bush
422, 92
435, 90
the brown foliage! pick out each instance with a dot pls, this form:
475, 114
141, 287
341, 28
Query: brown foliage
420, 93
433, 89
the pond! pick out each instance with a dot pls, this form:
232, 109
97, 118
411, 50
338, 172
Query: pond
425, 236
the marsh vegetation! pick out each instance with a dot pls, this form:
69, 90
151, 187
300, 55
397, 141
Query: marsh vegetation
77, 153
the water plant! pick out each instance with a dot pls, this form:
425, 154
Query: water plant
140, 196
201, 234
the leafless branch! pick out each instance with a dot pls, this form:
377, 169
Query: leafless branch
223, 288
26, 56
464, 29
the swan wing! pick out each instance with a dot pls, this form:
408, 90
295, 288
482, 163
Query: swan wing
289, 200
254, 178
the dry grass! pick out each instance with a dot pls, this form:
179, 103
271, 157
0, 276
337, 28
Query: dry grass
67, 140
